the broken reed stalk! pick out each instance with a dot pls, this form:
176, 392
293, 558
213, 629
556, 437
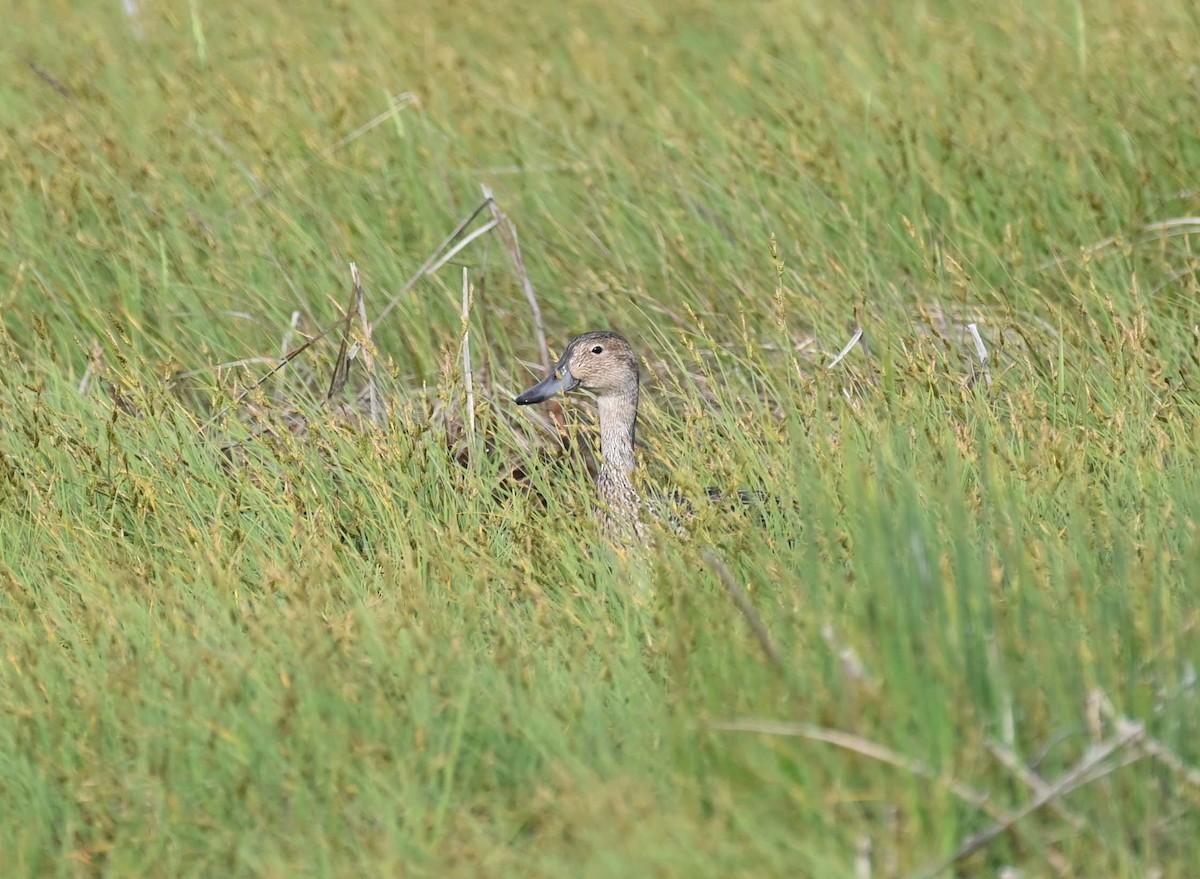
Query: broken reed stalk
343, 320
433, 258
442, 254
466, 356
454, 251
863, 340
1130, 737
1033, 781
508, 236
1088, 769
1172, 761
858, 334
1189, 775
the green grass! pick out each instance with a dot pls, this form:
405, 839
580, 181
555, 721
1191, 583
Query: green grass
374, 651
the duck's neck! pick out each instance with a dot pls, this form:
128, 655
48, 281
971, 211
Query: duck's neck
618, 420
618, 423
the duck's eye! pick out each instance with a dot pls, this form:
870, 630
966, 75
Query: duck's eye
597, 350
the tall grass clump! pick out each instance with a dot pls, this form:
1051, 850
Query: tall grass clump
288, 586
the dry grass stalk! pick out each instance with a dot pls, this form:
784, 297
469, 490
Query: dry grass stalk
285, 345
217, 367
433, 258
1033, 781
1091, 767
508, 235
466, 356
854, 340
341, 364
374, 401
338, 379
1188, 774
864, 748
454, 251
1152, 747
982, 352
863, 857
54, 83
743, 603
284, 361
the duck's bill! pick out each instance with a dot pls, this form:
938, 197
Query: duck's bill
558, 382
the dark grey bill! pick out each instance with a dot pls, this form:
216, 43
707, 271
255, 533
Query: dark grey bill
557, 382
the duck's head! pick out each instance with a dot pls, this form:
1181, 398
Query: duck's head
601, 362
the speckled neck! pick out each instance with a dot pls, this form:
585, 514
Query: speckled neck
618, 423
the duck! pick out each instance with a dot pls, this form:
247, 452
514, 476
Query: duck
603, 363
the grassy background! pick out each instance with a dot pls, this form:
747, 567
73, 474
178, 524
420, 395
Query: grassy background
376, 651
